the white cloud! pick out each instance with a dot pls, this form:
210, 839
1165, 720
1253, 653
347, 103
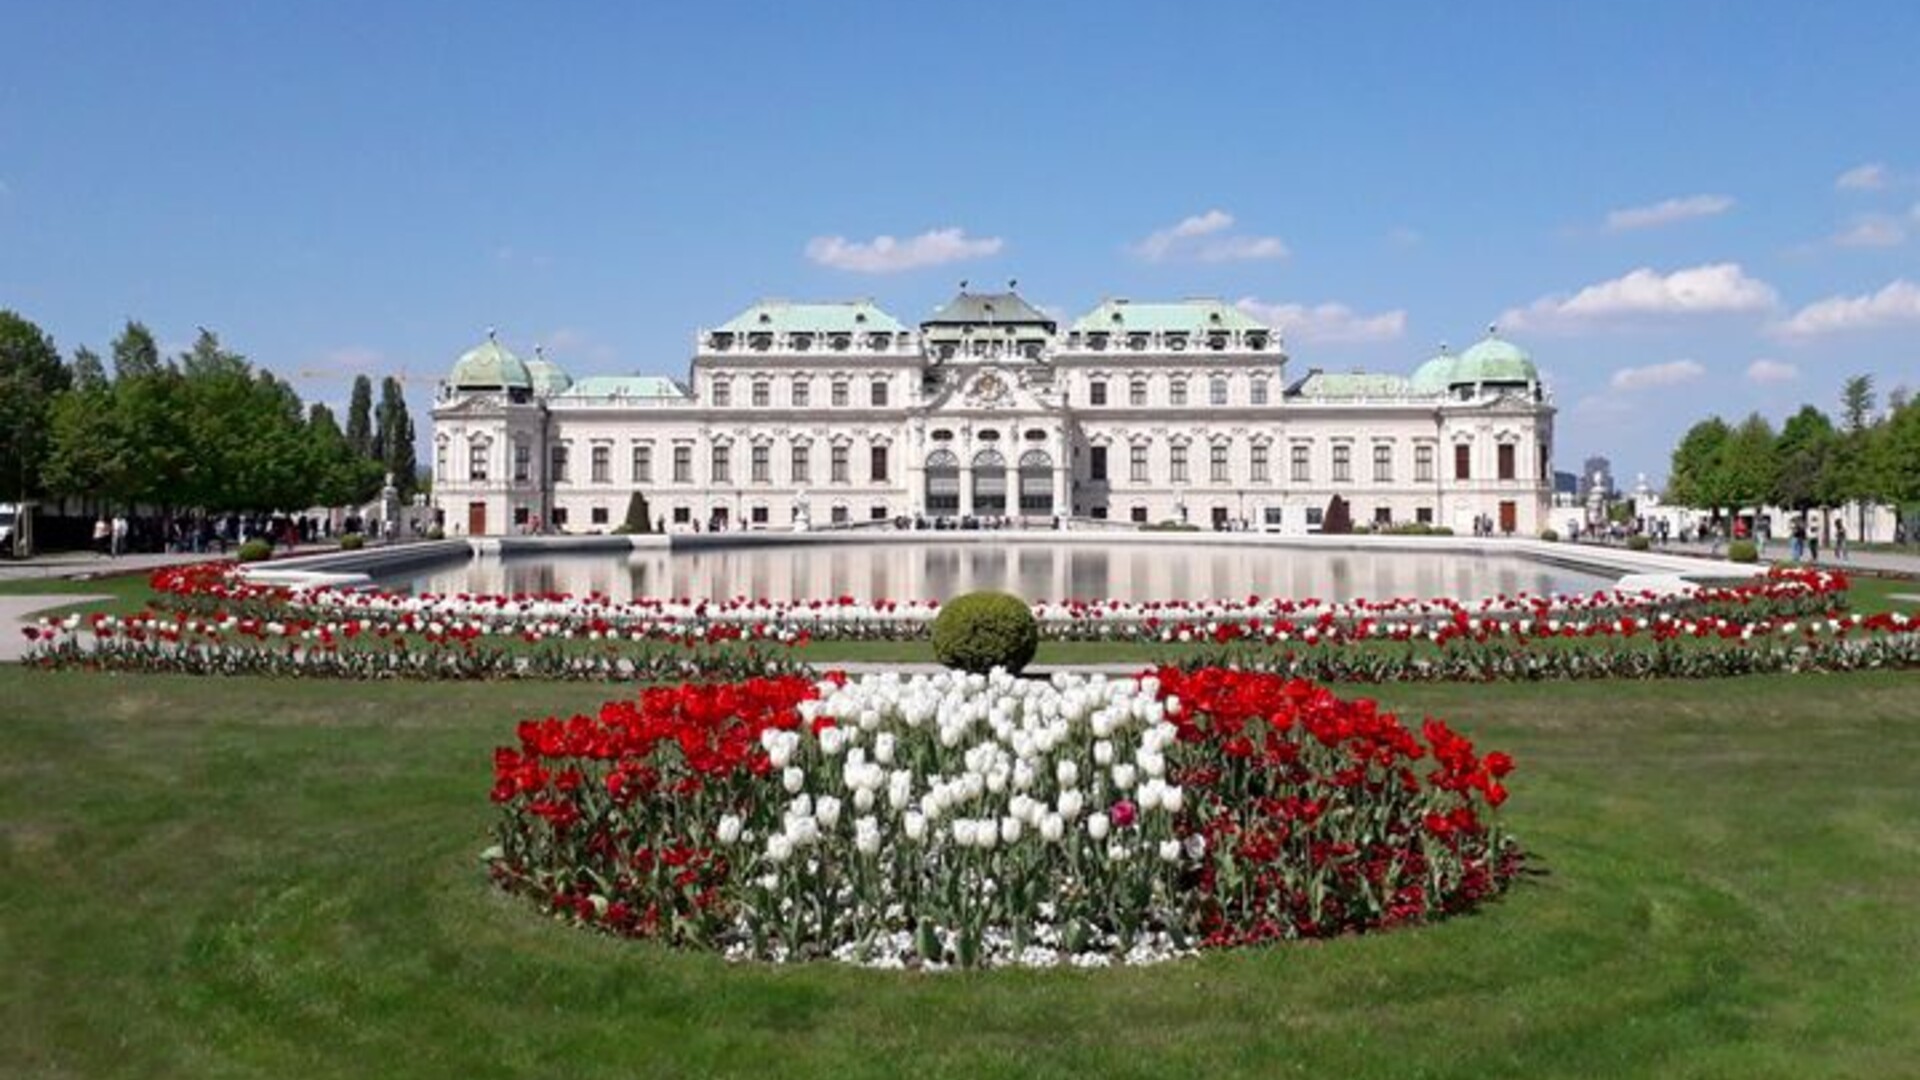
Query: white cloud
1898, 302
1870, 177
1772, 371
1326, 323
1204, 238
1713, 289
1876, 230
1668, 211
890, 255
1671, 373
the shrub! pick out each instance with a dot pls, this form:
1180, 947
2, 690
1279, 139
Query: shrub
255, 551
1637, 542
352, 542
1743, 551
638, 523
436, 533
1169, 526
985, 630
1550, 536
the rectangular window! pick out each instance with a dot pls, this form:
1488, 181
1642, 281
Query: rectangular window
1382, 463
1257, 390
1177, 392
877, 513
1097, 392
762, 393
1504, 461
1423, 464
722, 465
1302, 464
1179, 463
722, 393
1343, 464
762, 464
1257, 463
682, 515
522, 462
683, 464
642, 464
878, 393
1424, 515
1137, 515
597, 515
802, 392
1217, 463
840, 394
1217, 391
840, 515
802, 463
1462, 461
560, 517
1137, 393
557, 464
1272, 517
759, 514
476, 461
602, 464
1137, 463
840, 463
1383, 515
877, 464
1097, 463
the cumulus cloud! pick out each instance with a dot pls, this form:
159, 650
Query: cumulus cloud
1869, 177
1671, 373
1876, 230
1713, 289
1897, 303
1205, 238
891, 255
1329, 323
1668, 212
1772, 371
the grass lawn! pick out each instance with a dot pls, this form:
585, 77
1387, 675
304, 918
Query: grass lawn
233, 877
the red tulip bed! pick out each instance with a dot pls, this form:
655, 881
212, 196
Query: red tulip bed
209, 620
966, 820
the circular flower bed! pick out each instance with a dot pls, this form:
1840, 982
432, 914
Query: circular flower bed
982, 820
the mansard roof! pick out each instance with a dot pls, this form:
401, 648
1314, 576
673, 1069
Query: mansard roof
787, 317
629, 387
1195, 315
999, 309
1350, 384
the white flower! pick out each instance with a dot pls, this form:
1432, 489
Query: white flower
963, 832
793, 778
1169, 851
1052, 828
827, 813
1124, 777
1172, 798
729, 830
866, 835
1010, 830
1070, 803
1067, 772
915, 824
1103, 753
778, 848
883, 748
863, 800
1097, 826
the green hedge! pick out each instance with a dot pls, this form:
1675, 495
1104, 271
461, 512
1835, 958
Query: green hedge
1638, 543
1743, 551
255, 551
1549, 536
981, 631
352, 542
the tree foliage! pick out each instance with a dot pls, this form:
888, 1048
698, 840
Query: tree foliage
31, 377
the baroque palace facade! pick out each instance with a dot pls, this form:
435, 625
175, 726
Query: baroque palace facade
798, 415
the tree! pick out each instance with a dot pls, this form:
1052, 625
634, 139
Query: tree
341, 477
394, 439
135, 353
1897, 449
31, 376
148, 408
87, 454
360, 418
1749, 464
86, 372
1804, 452
1694, 477
1856, 402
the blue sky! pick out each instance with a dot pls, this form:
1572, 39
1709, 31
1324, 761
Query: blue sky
1678, 208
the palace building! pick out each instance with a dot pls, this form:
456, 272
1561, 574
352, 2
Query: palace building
811, 415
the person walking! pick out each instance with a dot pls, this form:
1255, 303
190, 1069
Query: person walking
1799, 536
119, 535
1813, 544
1840, 540
102, 536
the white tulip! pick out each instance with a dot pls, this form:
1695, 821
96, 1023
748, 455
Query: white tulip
1071, 802
866, 836
883, 748
1010, 830
915, 824
1097, 826
1169, 851
827, 813
1172, 799
832, 741
963, 832
729, 830
1052, 828
1067, 772
1103, 753
863, 800
1124, 777
793, 778
778, 848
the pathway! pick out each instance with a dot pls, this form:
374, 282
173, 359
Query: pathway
1896, 562
16, 612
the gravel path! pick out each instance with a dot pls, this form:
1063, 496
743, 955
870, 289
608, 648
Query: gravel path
18, 611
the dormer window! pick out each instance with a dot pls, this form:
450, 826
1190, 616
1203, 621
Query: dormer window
859, 316
1256, 341
1137, 342
1216, 342
801, 342
1177, 342
765, 318
877, 342
722, 342
840, 342
760, 342
1097, 342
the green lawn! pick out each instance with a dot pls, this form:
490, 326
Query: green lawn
231, 877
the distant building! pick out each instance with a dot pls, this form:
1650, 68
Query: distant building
1597, 470
799, 415
1565, 483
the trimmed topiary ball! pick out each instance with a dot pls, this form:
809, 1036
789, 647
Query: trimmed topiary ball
985, 630
1637, 542
255, 551
1742, 551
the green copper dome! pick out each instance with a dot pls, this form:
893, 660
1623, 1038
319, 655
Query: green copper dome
548, 377
489, 366
1434, 376
1494, 360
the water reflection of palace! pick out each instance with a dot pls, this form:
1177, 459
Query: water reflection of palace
803, 415
1080, 570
